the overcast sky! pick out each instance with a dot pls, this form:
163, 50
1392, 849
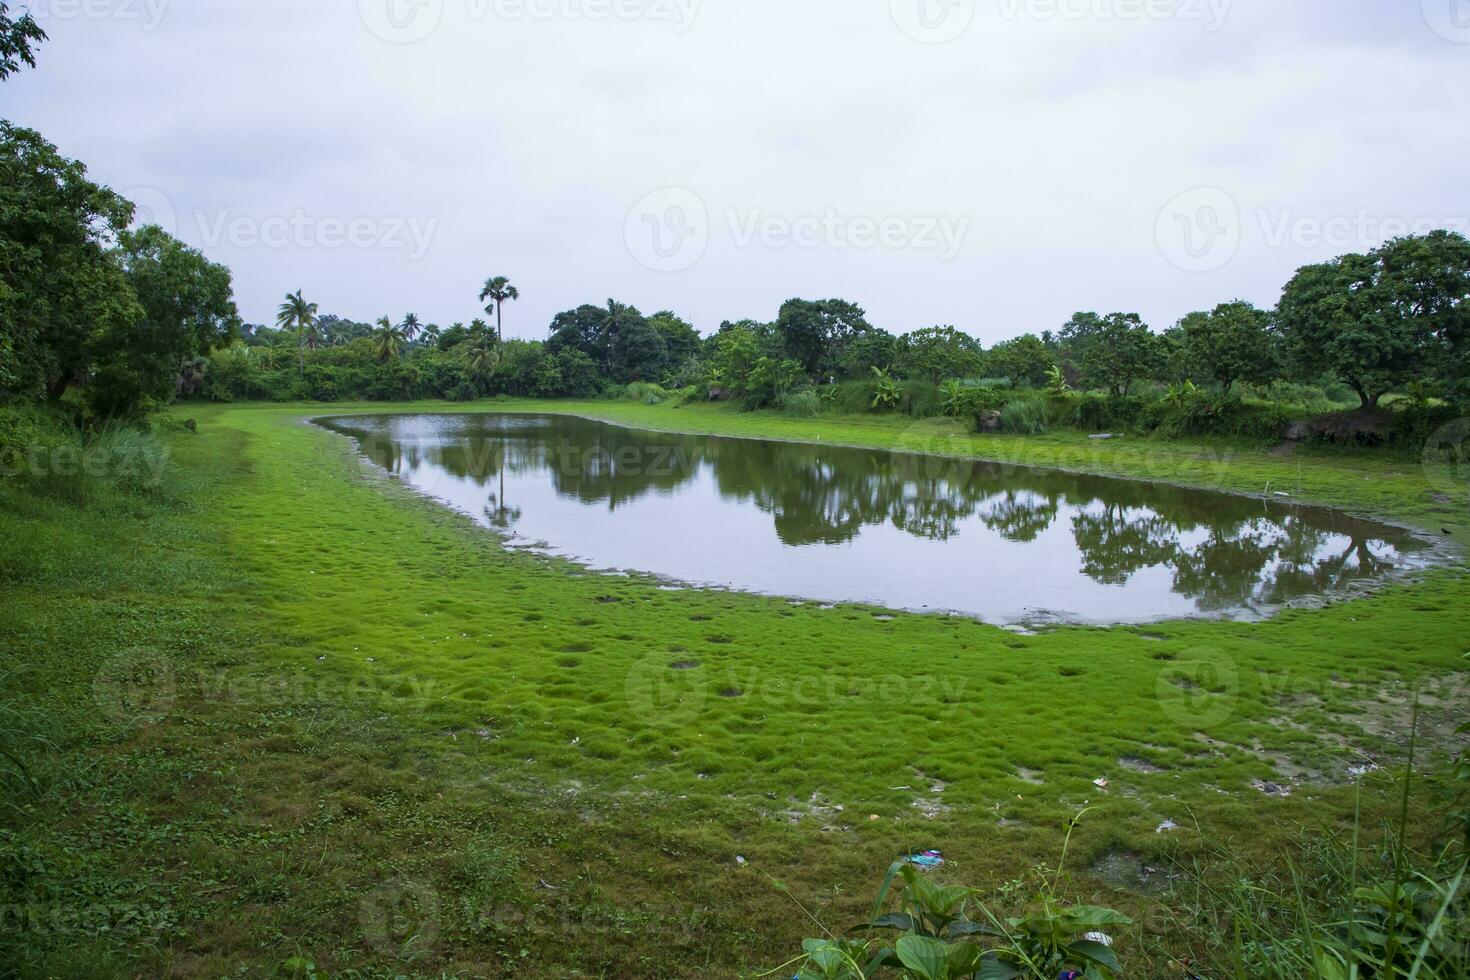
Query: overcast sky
995, 166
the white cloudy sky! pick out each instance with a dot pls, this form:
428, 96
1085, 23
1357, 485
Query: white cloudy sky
1073, 141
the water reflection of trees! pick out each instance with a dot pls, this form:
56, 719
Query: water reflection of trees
1222, 551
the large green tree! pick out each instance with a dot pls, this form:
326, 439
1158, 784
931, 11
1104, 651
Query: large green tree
635, 348
1230, 343
623, 343
938, 353
583, 329
61, 293
815, 333
1380, 320
681, 341
188, 308
1427, 281
1021, 360
875, 349
1117, 351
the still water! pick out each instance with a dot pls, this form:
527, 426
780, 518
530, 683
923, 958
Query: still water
1003, 543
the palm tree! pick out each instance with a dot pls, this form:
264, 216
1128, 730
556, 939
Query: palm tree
483, 358
498, 289
296, 313
431, 334
410, 327
388, 340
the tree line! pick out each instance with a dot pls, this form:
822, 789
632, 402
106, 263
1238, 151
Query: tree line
122, 320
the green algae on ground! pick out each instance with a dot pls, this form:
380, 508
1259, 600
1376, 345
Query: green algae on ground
370, 701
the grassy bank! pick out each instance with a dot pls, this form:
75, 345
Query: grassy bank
281, 709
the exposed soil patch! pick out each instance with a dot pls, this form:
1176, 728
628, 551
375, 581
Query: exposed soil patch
1135, 764
1127, 869
815, 806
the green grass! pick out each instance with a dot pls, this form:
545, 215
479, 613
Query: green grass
291, 693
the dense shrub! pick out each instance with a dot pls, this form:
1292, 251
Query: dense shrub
849, 397
1025, 416
802, 404
1099, 413
969, 400
1204, 413
51, 456
921, 399
645, 392
1300, 399
1416, 421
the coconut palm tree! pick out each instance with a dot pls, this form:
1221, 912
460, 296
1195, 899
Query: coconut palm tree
431, 334
410, 327
299, 315
498, 289
388, 340
483, 357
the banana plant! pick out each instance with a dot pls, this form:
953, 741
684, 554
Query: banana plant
886, 392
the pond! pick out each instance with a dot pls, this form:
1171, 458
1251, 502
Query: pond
1002, 543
